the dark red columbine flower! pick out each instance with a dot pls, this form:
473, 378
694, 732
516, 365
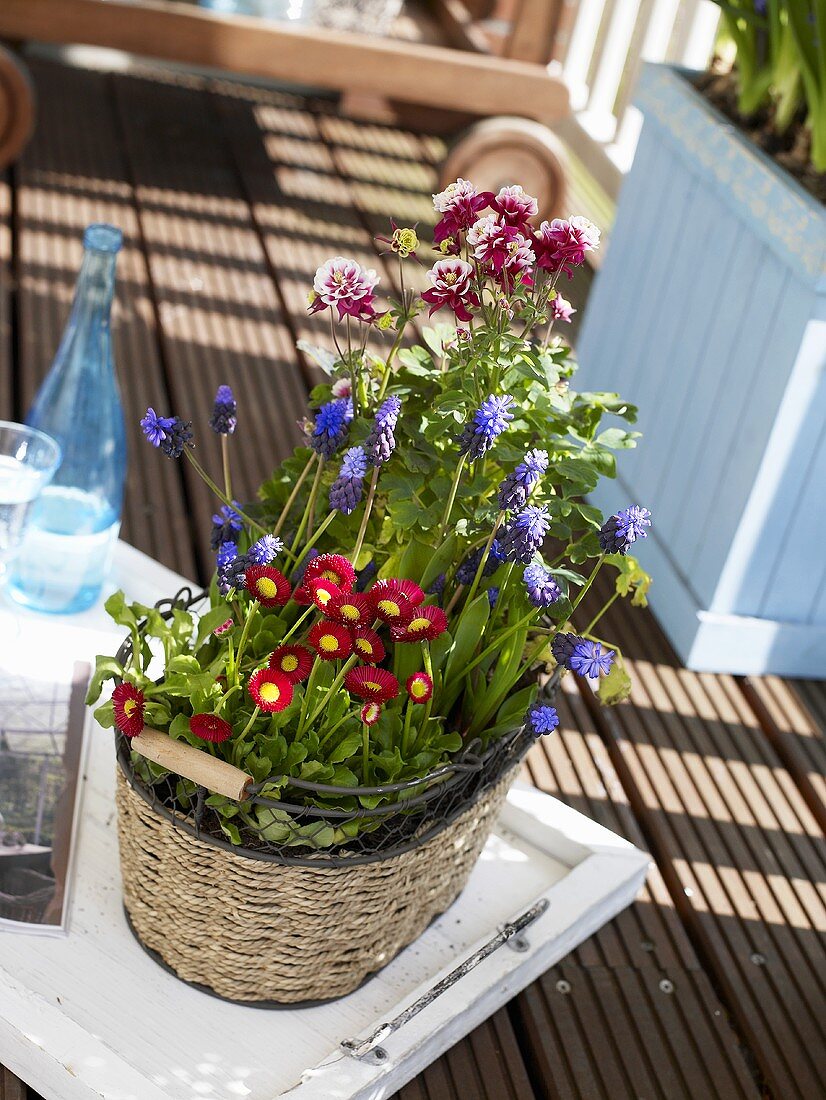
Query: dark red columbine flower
377, 685
353, 609
419, 687
370, 713
294, 661
330, 640
322, 592
209, 727
425, 624
267, 585
459, 204
452, 286
368, 645
270, 689
128, 704
331, 567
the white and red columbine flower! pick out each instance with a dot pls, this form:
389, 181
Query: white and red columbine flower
500, 247
452, 286
515, 207
346, 285
561, 310
561, 244
459, 204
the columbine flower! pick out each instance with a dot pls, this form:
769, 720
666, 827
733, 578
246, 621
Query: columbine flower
267, 585
342, 387
381, 442
270, 690
515, 489
493, 595
265, 549
223, 419
374, 684
210, 727
524, 534
581, 655
348, 488
350, 608
226, 526
459, 205
155, 427
128, 703
332, 423
541, 718
370, 713
500, 246
331, 567
368, 645
330, 641
346, 285
618, 534
419, 687
452, 286
540, 585
561, 310
178, 436
488, 423
403, 242
515, 206
425, 624
224, 628
561, 245
294, 661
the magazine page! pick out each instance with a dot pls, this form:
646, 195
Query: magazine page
41, 752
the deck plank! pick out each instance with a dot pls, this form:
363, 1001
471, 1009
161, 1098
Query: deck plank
738, 847
7, 410
219, 313
71, 174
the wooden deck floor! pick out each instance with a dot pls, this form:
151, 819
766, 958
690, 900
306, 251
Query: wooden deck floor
712, 983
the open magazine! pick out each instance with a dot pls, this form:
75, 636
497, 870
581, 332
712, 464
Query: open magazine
41, 752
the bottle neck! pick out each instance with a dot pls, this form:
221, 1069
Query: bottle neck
95, 286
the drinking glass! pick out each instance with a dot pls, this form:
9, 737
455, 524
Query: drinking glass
28, 460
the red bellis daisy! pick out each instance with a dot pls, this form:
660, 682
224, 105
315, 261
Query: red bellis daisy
322, 592
331, 641
374, 684
368, 645
294, 661
353, 609
331, 567
394, 585
267, 585
419, 687
391, 606
128, 706
270, 690
425, 624
209, 727
370, 713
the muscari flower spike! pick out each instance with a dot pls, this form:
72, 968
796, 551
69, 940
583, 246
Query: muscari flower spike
524, 534
540, 586
381, 442
515, 489
493, 595
582, 655
467, 570
348, 488
155, 427
488, 423
332, 424
619, 532
177, 438
226, 526
224, 420
265, 549
541, 718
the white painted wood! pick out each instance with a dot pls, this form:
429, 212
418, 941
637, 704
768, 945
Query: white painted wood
91, 1016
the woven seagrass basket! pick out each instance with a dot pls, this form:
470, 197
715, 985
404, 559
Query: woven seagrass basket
268, 923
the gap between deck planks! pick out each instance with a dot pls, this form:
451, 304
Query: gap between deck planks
223, 242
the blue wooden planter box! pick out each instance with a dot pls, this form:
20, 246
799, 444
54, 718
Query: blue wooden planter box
710, 314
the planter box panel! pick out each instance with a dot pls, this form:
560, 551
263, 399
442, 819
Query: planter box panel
714, 324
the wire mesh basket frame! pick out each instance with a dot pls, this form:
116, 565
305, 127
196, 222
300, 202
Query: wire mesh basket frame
459, 783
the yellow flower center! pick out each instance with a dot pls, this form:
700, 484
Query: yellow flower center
329, 575
390, 607
266, 587
415, 625
129, 707
328, 642
363, 646
323, 596
374, 685
351, 612
270, 692
289, 662
418, 689
450, 278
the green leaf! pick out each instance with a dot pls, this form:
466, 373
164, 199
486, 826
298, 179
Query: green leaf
346, 748
106, 668
210, 620
105, 715
118, 609
616, 686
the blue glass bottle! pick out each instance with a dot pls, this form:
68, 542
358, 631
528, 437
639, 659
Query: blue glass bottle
68, 545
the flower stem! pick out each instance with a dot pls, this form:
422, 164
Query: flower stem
225, 463
389, 360
587, 585
599, 615
367, 509
451, 498
365, 751
201, 472
248, 726
322, 527
332, 690
302, 527
302, 477
253, 607
483, 560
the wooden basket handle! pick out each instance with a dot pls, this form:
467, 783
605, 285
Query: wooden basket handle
185, 760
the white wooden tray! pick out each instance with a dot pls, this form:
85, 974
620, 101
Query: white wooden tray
89, 1015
